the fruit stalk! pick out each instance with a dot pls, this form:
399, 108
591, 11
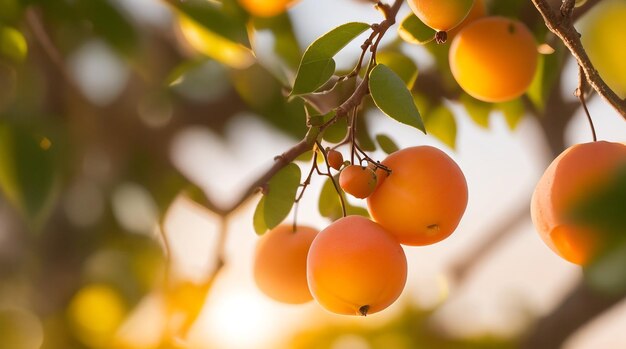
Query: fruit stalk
562, 25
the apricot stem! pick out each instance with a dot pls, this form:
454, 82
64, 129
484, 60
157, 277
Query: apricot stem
441, 37
580, 93
364, 309
343, 204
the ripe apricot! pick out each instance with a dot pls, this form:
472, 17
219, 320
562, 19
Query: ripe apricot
358, 181
355, 267
280, 263
423, 199
266, 8
441, 15
574, 174
494, 59
335, 159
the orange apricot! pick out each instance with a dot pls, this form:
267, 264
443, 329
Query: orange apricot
575, 173
441, 15
358, 181
280, 263
266, 8
423, 199
494, 59
335, 159
355, 267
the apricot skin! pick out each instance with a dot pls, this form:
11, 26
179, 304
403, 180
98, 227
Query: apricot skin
494, 59
358, 181
423, 199
441, 15
335, 159
266, 8
573, 175
280, 263
355, 267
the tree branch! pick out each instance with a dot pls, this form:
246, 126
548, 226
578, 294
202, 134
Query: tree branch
581, 305
461, 268
562, 25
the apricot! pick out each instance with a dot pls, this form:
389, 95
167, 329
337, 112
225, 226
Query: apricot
355, 267
494, 59
423, 199
266, 8
335, 159
358, 181
575, 173
441, 15
280, 263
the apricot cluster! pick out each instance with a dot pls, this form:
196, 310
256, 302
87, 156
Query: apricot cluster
578, 171
356, 266
493, 59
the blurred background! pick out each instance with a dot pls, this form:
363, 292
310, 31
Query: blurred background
129, 131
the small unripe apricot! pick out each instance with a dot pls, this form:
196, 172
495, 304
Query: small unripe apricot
358, 181
280, 263
441, 15
494, 59
355, 267
335, 159
381, 174
423, 199
569, 179
266, 8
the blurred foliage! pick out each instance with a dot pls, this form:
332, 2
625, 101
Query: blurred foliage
410, 329
73, 269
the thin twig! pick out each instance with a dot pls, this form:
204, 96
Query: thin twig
580, 93
563, 27
330, 176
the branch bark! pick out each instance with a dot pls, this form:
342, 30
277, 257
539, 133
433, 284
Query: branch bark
562, 25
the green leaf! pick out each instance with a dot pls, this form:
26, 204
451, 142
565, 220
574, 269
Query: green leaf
608, 272
386, 144
317, 64
392, 97
513, 112
13, 46
400, 64
478, 111
546, 75
28, 172
414, 31
603, 208
259, 218
215, 18
110, 24
281, 194
440, 123
9, 10
336, 132
320, 119
285, 41
329, 204
362, 135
